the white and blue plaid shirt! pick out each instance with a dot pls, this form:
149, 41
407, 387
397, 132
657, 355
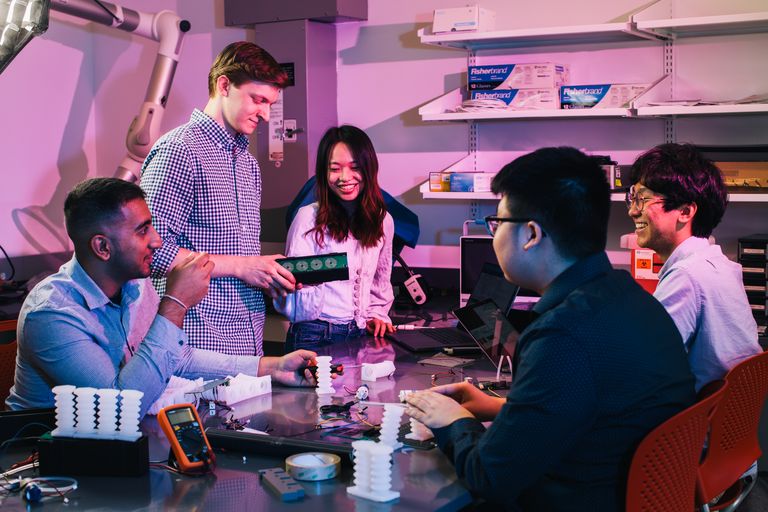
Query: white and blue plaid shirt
204, 191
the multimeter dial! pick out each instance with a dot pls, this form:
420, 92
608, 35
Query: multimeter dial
190, 450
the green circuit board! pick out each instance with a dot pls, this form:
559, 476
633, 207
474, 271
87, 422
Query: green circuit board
319, 268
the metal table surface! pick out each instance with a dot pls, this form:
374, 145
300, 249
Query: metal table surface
425, 479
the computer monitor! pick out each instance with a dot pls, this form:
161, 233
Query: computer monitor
475, 251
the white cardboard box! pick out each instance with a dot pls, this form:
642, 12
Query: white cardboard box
533, 75
472, 18
600, 95
522, 99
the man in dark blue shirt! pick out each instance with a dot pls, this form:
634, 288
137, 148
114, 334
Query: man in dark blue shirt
599, 367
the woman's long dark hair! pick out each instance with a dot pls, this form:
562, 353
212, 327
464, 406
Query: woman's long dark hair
367, 223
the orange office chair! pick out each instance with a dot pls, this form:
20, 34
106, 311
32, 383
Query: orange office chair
662, 477
733, 440
7, 361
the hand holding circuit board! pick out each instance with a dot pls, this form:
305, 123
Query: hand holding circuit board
320, 268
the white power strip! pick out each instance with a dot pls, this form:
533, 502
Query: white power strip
239, 388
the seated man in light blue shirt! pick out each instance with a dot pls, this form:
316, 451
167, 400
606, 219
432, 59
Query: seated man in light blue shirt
98, 321
677, 198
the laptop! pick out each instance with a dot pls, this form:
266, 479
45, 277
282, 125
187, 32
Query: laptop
491, 330
491, 285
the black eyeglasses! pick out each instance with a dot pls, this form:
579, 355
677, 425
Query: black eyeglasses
640, 202
492, 222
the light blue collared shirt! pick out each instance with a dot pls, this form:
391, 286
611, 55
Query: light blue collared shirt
703, 292
70, 332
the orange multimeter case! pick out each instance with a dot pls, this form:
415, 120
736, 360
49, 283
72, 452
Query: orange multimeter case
190, 449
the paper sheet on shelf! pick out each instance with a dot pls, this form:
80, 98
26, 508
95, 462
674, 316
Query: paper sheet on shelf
754, 98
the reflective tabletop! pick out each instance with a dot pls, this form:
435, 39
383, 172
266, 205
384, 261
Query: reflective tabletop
424, 478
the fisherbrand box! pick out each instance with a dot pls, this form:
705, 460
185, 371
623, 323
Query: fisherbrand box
522, 99
517, 76
470, 181
599, 95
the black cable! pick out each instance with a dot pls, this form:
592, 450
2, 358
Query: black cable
16, 438
338, 409
10, 264
107, 10
319, 427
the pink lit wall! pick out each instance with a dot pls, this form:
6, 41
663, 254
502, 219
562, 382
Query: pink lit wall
68, 98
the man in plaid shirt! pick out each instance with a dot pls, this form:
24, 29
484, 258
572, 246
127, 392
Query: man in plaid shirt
204, 191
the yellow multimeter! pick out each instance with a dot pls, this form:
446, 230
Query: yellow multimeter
190, 449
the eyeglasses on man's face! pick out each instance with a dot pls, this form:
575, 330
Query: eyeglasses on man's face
492, 222
640, 202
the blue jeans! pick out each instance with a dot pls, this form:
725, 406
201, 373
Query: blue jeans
316, 333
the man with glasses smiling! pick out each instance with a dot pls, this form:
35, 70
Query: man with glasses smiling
588, 383
678, 197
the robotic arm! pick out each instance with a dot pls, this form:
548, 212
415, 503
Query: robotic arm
165, 27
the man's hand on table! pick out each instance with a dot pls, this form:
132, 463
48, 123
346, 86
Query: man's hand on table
290, 369
442, 405
434, 410
482, 406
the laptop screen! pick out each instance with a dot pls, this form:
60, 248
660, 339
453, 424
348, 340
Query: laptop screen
489, 327
491, 284
476, 254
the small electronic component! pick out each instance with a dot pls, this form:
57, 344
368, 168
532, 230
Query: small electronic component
362, 392
335, 368
493, 384
282, 484
371, 372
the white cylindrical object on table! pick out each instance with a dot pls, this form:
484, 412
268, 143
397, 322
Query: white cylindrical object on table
107, 411
373, 472
381, 469
419, 431
324, 375
403, 394
390, 425
130, 406
362, 464
85, 407
64, 398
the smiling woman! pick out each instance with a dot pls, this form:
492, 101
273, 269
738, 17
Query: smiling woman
344, 176
349, 216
